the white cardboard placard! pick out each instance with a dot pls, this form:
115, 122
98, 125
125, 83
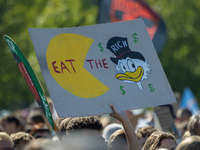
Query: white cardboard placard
87, 68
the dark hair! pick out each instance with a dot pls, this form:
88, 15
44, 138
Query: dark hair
183, 112
36, 117
186, 112
21, 136
145, 131
10, 119
40, 127
58, 121
83, 123
62, 126
154, 141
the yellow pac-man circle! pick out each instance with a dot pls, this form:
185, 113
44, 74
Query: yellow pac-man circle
65, 58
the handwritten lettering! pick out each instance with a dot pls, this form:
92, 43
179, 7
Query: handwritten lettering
90, 61
114, 49
104, 63
70, 60
54, 67
63, 66
118, 45
98, 63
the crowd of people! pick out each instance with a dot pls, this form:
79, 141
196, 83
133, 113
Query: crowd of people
32, 132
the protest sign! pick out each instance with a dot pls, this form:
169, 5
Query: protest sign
31, 79
88, 68
166, 122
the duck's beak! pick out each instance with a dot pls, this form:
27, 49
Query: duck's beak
131, 76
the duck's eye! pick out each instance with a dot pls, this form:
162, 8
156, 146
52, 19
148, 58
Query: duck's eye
131, 65
122, 67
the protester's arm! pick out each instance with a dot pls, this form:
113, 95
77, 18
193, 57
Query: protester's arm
133, 143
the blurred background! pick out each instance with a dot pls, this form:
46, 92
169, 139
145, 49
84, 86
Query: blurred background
180, 55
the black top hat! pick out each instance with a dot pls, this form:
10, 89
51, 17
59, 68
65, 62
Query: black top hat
119, 47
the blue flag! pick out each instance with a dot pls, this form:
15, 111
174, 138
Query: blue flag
189, 101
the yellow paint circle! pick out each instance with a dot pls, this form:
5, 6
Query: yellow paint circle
65, 58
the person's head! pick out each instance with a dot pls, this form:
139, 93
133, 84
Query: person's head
183, 114
143, 133
6, 141
21, 139
43, 144
194, 125
35, 117
85, 133
118, 141
62, 125
190, 143
110, 129
160, 140
40, 130
11, 124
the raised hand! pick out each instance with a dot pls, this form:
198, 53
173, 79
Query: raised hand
133, 143
119, 115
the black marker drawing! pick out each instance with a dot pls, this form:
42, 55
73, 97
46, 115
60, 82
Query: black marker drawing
131, 66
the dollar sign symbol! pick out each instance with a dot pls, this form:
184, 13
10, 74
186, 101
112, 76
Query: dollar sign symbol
121, 88
151, 88
101, 48
135, 38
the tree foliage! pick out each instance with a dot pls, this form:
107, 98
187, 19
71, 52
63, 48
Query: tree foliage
15, 19
180, 57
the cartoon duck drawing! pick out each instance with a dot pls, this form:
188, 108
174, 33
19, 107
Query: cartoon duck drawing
131, 66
